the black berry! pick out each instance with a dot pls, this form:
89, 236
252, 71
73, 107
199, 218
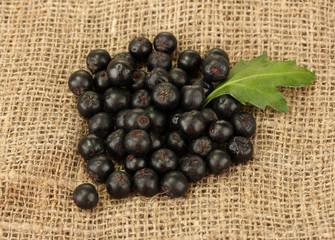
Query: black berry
191, 124
225, 106
175, 184
207, 87
220, 131
90, 146
138, 80
116, 99
85, 196
119, 184
215, 68
101, 81
175, 141
164, 160
157, 141
133, 163
97, 60
218, 161
165, 96
178, 77
80, 82
99, 167
158, 120
159, 59
140, 99
189, 61
119, 118
137, 118
216, 51
101, 124
192, 97
89, 103
240, 149
155, 77
120, 72
140, 48
137, 142
244, 124
209, 115
126, 56
146, 182
165, 42
174, 117
194, 167
201, 146
115, 143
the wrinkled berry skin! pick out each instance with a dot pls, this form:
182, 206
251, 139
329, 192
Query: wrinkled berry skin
155, 77
159, 59
146, 182
189, 61
207, 87
133, 163
220, 131
192, 97
89, 104
216, 51
116, 99
119, 72
137, 142
209, 115
115, 143
80, 81
175, 184
97, 60
201, 146
165, 96
140, 48
138, 80
194, 167
225, 106
240, 149
119, 185
119, 118
244, 124
101, 124
126, 56
178, 77
90, 146
215, 68
163, 161
85, 196
191, 124
99, 167
140, 99
175, 142
218, 161
165, 42
101, 81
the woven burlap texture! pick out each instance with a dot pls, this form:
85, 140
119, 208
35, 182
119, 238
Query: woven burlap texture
286, 192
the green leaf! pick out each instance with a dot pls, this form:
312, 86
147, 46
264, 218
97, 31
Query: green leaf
255, 82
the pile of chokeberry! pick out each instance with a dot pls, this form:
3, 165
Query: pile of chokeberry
153, 123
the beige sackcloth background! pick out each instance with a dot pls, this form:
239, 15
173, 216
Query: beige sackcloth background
286, 192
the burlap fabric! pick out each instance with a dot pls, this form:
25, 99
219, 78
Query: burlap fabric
286, 192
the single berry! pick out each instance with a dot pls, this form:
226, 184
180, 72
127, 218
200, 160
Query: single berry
157, 119
216, 51
218, 161
155, 77
146, 182
191, 124
137, 118
201, 146
194, 167
90, 146
85, 196
138, 80
175, 184
215, 68
159, 59
101, 81
165, 42
126, 56
101, 124
220, 131
165, 96
140, 48
99, 167
225, 106
157, 141
178, 77
89, 103
140, 99
80, 81
115, 143
240, 149
192, 97
207, 87
209, 115
175, 141
116, 99
174, 117
137, 142
119, 184
119, 118
189, 61
97, 60
119, 72
133, 163
244, 124
164, 160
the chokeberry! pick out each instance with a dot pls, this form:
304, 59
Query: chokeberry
101, 124
201, 146
146, 182
90, 146
165, 96
126, 56
101, 81
218, 161
191, 124
240, 149
119, 118
159, 59
189, 61
175, 184
119, 184
216, 51
225, 106
215, 68
116, 99
89, 103
174, 117
155, 77
194, 167
133, 163
137, 142
140, 99
178, 77
97, 60
138, 80
115, 143
157, 119
137, 118
164, 160
175, 141
244, 124
119, 72
157, 141
165, 42
220, 131
207, 87
192, 97
85, 196
80, 81
99, 167
209, 115
140, 48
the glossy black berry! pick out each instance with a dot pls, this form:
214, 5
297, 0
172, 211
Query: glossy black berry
225, 106
101, 81
146, 182
174, 117
192, 97
97, 60
126, 56
155, 77
140, 99
101, 124
244, 124
137, 142
201, 146
193, 167
119, 118
209, 115
138, 80
240, 149
119, 184
120, 72
192, 124
218, 161
140, 48
116, 99
189, 61
89, 104
137, 118
159, 59
175, 184
220, 131
216, 51
99, 167
158, 120
115, 143
90, 146
133, 163
165, 42
178, 77
165, 96
175, 141
157, 141
207, 87
164, 160
80, 81
215, 68
85, 196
